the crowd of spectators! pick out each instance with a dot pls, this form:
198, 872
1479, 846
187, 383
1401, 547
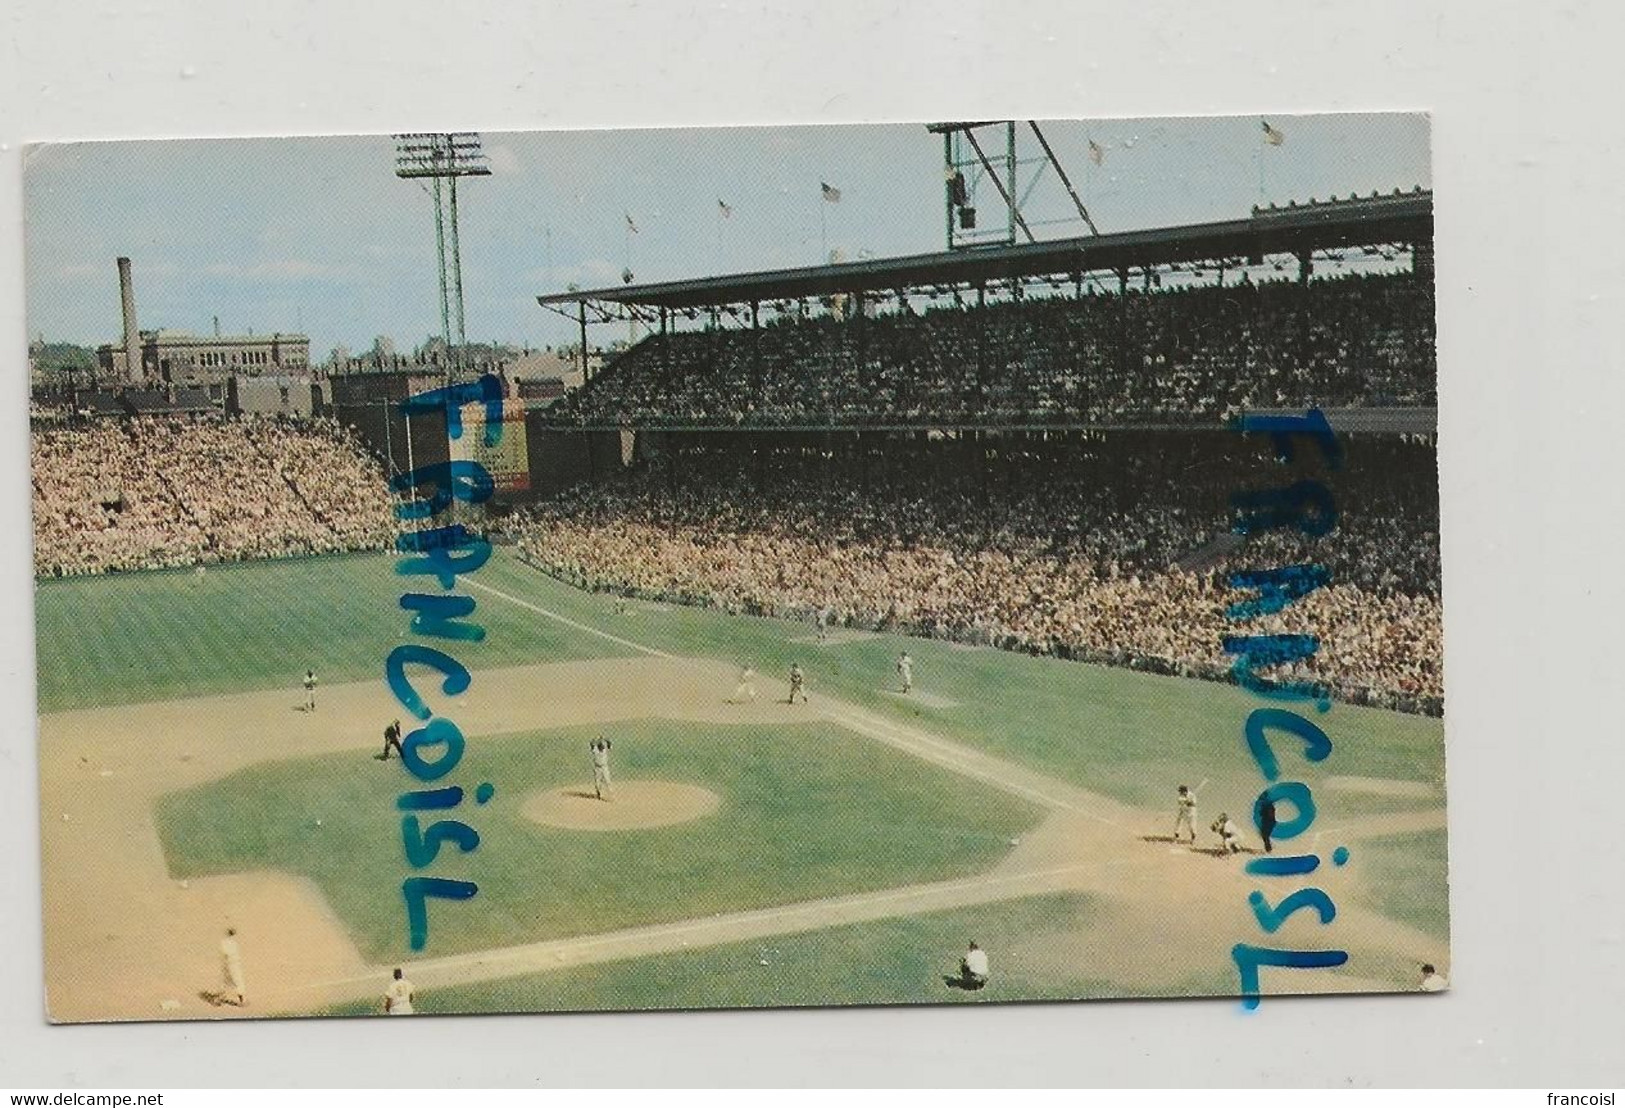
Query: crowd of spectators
164, 492
1141, 356
1093, 551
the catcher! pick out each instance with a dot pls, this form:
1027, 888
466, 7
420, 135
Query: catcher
1229, 837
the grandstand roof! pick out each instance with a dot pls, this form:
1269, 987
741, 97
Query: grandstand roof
1356, 221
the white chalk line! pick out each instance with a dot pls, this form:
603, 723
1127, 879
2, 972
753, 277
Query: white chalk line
727, 922
960, 759
566, 620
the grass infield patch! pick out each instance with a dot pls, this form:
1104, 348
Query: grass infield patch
806, 811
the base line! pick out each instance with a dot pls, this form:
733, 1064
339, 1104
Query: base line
566, 620
785, 916
959, 759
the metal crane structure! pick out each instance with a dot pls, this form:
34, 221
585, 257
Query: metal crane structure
966, 163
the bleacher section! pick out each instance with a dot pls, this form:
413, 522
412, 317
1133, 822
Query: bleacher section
164, 492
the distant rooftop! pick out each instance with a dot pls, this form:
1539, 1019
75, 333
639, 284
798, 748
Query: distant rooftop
174, 337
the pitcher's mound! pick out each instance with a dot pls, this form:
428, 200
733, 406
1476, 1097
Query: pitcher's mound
630, 807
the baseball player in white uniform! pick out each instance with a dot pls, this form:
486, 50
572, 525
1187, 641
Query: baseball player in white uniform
1229, 835
746, 689
600, 766
231, 969
398, 997
905, 671
310, 690
798, 683
1185, 817
973, 968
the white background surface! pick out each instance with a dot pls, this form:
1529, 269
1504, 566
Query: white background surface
1531, 281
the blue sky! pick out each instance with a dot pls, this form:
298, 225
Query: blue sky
317, 234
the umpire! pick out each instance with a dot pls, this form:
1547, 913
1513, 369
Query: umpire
1264, 817
392, 737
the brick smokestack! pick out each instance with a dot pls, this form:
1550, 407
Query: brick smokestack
133, 370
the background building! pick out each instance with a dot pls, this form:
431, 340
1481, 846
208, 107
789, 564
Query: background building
180, 358
168, 357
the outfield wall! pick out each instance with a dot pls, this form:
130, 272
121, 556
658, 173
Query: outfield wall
404, 443
561, 459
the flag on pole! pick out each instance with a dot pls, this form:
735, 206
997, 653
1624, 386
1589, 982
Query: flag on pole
630, 226
831, 193
1271, 135
1097, 153
727, 212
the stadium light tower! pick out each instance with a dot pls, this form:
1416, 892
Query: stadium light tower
443, 158
965, 162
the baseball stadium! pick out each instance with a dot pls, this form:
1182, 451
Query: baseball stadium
899, 588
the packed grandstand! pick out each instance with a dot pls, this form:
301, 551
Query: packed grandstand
1072, 550
165, 492
1186, 355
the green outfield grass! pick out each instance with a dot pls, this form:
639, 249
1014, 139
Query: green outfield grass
808, 810
1131, 735
128, 638
897, 961
1406, 879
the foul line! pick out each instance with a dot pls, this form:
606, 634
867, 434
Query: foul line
566, 620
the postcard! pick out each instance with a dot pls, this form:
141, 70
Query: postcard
936, 563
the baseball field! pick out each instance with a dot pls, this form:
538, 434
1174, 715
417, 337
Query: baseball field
839, 851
